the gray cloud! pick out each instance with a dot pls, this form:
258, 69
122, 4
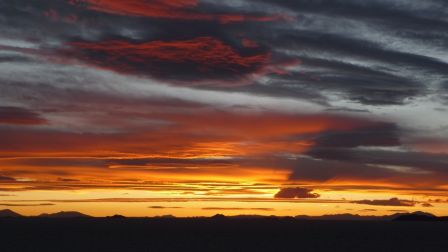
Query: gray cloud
21, 116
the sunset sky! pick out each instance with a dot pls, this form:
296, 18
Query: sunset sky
199, 107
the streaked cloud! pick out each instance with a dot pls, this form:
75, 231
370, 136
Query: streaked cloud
233, 99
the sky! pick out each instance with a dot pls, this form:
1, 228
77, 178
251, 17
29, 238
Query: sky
198, 107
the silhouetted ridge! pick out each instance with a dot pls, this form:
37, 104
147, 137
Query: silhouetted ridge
117, 216
219, 217
417, 216
8, 213
349, 217
69, 214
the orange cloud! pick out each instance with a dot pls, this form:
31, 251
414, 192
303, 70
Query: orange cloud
202, 146
200, 134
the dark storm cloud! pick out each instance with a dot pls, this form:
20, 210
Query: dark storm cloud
296, 193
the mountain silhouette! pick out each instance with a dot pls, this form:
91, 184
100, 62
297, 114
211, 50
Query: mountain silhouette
417, 216
348, 217
9, 213
68, 214
116, 216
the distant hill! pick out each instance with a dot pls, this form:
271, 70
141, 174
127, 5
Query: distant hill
116, 216
69, 214
341, 217
418, 216
8, 213
397, 216
415, 216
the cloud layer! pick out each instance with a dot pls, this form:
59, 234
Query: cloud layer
216, 98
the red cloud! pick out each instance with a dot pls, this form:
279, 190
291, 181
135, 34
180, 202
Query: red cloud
169, 9
207, 57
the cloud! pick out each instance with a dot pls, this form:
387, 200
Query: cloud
20, 116
321, 170
177, 9
426, 204
207, 57
348, 48
398, 211
185, 199
7, 179
389, 202
127, 86
296, 193
26, 205
382, 134
68, 180
164, 207
237, 209
368, 210
412, 164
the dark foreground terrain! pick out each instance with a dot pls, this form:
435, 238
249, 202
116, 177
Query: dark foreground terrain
222, 234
